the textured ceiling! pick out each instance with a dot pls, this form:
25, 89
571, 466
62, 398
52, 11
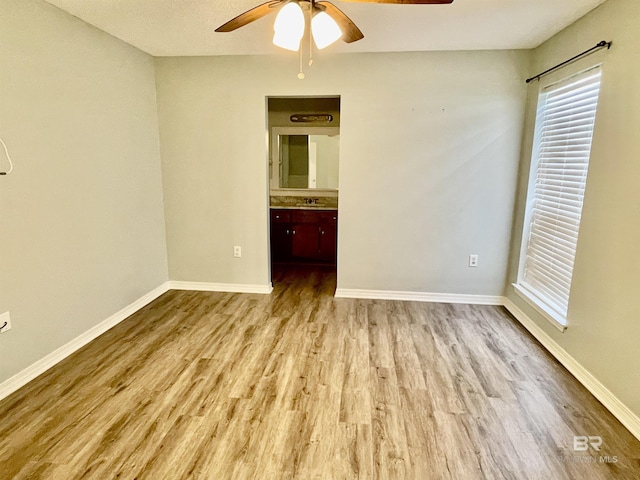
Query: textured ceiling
186, 27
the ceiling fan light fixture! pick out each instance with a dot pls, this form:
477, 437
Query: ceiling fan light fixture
289, 27
325, 30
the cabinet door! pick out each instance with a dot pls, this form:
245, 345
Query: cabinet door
280, 242
328, 242
305, 240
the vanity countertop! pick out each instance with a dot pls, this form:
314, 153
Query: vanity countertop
302, 207
290, 202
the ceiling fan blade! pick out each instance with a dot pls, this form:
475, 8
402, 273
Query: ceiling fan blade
250, 15
350, 32
405, 2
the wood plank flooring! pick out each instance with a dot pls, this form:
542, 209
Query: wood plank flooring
300, 385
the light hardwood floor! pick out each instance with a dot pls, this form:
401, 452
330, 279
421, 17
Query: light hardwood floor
300, 385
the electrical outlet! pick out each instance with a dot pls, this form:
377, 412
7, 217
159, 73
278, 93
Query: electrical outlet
473, 260
237, 251
5, 322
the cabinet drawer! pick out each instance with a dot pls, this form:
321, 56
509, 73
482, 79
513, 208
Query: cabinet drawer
314, 216
328, 217
280, 216
304, 216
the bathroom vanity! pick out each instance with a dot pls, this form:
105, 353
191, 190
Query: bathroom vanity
303, 181
304, 235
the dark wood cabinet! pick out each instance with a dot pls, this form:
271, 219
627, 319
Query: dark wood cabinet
304, 241
280, 242
328, 242
280, 235
304, 236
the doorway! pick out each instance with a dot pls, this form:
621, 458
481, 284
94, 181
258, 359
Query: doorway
304, 152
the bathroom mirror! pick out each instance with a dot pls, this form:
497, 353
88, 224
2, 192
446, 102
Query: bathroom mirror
305, 158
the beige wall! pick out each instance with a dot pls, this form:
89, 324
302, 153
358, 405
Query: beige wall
603, 313
81, 216
428, 156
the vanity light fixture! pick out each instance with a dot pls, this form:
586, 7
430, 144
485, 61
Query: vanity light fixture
311, 118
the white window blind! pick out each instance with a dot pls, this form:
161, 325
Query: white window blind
562, 146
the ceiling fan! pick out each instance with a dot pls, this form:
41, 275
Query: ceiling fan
328, 22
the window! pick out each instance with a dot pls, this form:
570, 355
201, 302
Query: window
560, 160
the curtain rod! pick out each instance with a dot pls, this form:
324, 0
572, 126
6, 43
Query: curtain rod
600, 45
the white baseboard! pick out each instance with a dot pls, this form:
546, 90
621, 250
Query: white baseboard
604, 395
618, 409
38, 368
221, 287
420, 296
591, 383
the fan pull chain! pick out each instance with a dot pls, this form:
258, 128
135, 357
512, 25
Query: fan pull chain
301, 74
310, 38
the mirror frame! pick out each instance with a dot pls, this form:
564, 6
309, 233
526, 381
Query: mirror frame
274, 163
